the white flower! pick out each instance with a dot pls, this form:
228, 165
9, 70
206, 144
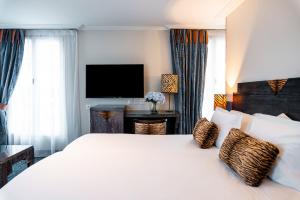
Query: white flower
155, 97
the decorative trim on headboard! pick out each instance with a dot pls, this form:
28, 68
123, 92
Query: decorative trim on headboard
256, 97
277, 85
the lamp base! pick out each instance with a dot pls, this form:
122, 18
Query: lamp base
169, 102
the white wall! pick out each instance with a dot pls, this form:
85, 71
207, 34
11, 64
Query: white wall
150, 48
263, 41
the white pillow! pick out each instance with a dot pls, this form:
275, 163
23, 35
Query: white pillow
283, 115
225, 122
246, 120
221, 109
285, 134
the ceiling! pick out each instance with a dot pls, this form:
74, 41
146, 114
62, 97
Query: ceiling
102, 14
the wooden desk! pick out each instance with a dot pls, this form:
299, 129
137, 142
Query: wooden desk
10, 154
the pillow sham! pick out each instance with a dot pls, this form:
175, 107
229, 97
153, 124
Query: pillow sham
250, 158
281, 116
246, 120
221, 109
284, 116
205, 133
225, 121
285, 134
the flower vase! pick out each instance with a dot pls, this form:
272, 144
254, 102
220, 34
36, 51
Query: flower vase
153, 108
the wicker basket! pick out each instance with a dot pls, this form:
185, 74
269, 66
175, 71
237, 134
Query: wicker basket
157, 128
141, 128
151, 127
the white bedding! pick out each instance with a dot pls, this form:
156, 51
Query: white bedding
136, 167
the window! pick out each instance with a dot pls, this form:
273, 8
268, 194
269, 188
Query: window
37, 113
215, 71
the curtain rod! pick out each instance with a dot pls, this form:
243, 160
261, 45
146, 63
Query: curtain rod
101, 28
38, 26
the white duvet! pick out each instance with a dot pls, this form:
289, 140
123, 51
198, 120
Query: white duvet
136, 167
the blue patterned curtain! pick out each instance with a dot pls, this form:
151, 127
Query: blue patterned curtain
189, 58
11, 55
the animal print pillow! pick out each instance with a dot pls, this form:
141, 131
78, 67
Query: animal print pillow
250, 158
205, 133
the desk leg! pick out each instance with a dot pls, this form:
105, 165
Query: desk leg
3, 174
9, 168
30, 157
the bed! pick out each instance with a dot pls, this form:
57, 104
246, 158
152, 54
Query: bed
142, 167
129, 167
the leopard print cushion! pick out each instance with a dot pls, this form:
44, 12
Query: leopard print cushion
205, 133
250, 158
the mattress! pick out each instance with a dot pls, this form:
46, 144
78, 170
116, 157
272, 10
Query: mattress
136, 167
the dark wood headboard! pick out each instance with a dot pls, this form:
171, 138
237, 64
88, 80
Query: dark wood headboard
258, 97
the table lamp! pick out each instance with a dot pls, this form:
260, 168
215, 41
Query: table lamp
169, 85
220, 100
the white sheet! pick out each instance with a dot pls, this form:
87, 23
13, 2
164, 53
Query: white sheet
136, 167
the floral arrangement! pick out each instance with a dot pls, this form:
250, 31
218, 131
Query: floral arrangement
155, 97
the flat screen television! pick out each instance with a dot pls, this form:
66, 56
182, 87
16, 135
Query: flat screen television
115, 81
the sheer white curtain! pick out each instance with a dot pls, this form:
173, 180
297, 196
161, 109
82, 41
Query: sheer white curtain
215, 70
44, 108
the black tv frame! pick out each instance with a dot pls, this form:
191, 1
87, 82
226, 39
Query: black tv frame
114, 65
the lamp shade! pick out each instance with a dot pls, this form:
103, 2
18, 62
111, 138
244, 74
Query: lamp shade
169, 83
220, 101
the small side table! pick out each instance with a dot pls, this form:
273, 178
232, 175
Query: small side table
10, 154
107, 119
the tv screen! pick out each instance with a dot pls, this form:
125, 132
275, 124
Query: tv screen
107, 81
